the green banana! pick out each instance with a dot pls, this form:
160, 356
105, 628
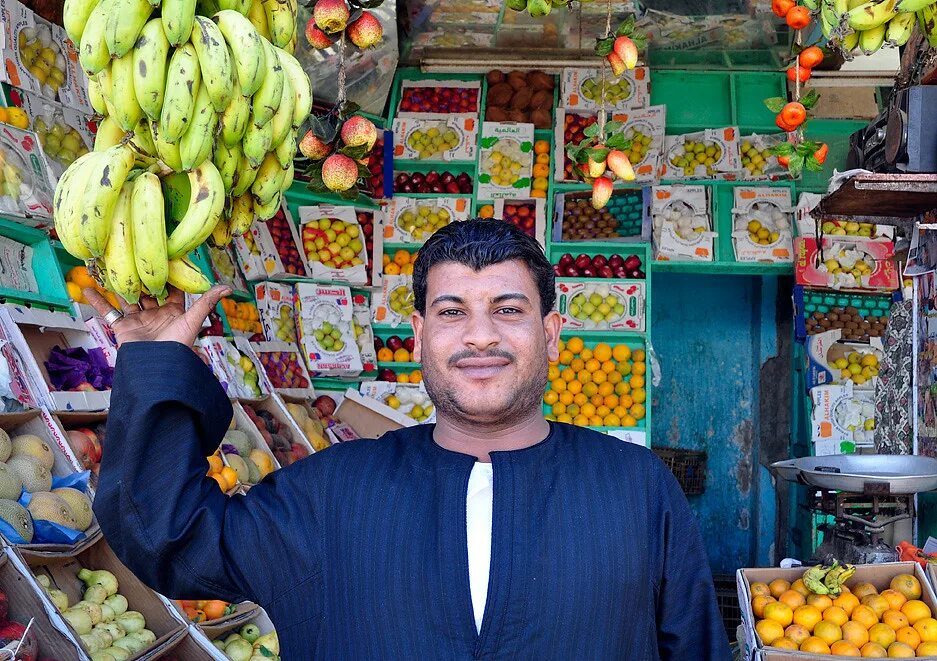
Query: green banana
196, 143
150, 59
66, 204
287, 178
178, 17
812, 5
108, 135
234, 120
268, 210
871, 15
168, 153
928, 20
247, 49
286, 150
96, 96
266, 100
104, 82
912, 6
125, 21
282, 121
242, 214
245, 177
813, 580
268, 180
302, 88
215, 62
850, 42
227, 159
75, 15
92, 53
257, 142
105, 179
871, 40
281, 20
899, 29
181, 89
127, 111
118, 255
143, 140
186, 276
221, 235
149, 233
258, 18
206, 202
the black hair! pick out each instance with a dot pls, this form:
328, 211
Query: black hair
479, 243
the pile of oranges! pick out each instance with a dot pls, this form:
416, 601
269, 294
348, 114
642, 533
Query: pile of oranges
859, 622
78, 279
225, 476
601, 386
416, 376
400, 264
541, 171
242, 317
205, 610
401, 355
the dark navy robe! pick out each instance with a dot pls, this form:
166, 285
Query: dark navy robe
359, 551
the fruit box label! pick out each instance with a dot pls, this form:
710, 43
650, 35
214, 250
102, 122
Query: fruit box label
364, 336
506, 160
326, 336
248, 256
411, 220
701, 155
847, 264
323, 244
534, 225
284, 368
393, 305
825, 350
842, 419
761, 220
275, 305
582, 89
424, 137
16, 270
682, 224
601, 306
27, 187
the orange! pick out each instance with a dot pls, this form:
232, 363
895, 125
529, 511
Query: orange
638, 411
899, 650
74, 292
602, 352
792, 599
780, 613
909, 636
215, 464
614, 377
637, 381
907, 585
575, 344
401, 257
847, 602
230, 477
894, 598
640, 395
595, 421
608, 366
581, 421
566, 357
567, 374
624, 389
597, 401
759, 603
927, 629
611, 402
865, 616
836, 615
403, 378
487, 211
384, 355
877, 603
628, 421
915, 610
807, 616
895, 619
873, 651
401, 356
599, 376
392, 269
639, 369
815, 645
828, 631
575, 388
585, 379
796, 633
542, 158
577, 364
798, 586
542, 147
606, 389
784, 644
769, 631
855, 633
842, 648
18, 118
821, 601
416, 376
558, 409
882, 634
80, 276
586, 353
578, 399
541, 170
593, 366
550, 397
220, 480
566, 398
611, 420
621, 352
553, 372
214, 609
927, 649
864, 590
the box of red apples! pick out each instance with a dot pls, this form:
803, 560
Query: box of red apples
333, 244
278, 243
433, 182
79, 437
529, 215
618, 266
440, 97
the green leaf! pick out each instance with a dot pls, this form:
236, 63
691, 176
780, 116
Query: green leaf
804, 150
522, 183
598, 155
582, 157
809, 100
603, 47
626, 28
640, 41
613, 126
350, 194
265, 652
796, 166
782, 149
348, 109
813, 164
775, 103
324, 127
363, 171
591, 131
618, 141
356, 153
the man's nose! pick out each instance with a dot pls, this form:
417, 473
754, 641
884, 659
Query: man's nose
481, 332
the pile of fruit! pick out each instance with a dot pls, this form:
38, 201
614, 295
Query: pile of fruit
78, 279
456, 100
366, 223
224, 268
247, 643
433, 182
330, 19
844, 228
376, 168
858, 366
413, 402
237, 461
506, 163
684, 220
541, 170
242, 370
59, 141
693, 154
819, 614
856, 324
283, 368
847, 264
613, 91
42, 57
389, 375
243, 317
573, 132
277, 436
523, 215
423, 220
282, 235
394, 349
519, 96
211, 106
432, 139
401, 264
623, 216
27, 463
401, 300
763, 234
599, 266
601, 386
641, 141
284, 326
333, 243
311, 426
205, 610
86, 445
597, 304
101, 619
755, 161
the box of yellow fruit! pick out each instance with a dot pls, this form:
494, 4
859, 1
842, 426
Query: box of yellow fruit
598, 384
882, 610
709, 154
846, 263
506, 160
831, 360
586, 89
807, 224
761, 224
410, 220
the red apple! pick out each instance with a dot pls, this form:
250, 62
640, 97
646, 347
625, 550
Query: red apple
325, 404
83, 448
408, 343
394, 343
583, 261
599, 261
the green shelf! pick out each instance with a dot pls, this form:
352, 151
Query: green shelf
409, 366
723, 268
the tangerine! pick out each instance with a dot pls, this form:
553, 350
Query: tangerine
784, 644
575, 344
621, 352
864, 616
836, 615
915, 610
821, 601
877, 603
780, 613
806, 616
864, 590
855, 633
882, 634
899, 650
797, 633
843, 648
762, 600
769, 631
798, 586
828, 631
895, 619
909, 636
847, 601
602, 352
927, 629
815, 645
907, 585
894, 598
798, 17
873, 651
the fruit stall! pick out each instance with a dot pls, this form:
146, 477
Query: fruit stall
735, 201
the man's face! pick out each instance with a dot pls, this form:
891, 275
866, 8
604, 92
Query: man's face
483, 342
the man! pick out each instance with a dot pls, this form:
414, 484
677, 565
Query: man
491, 535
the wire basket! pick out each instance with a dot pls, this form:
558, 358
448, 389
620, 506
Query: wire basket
688, 466
727, 597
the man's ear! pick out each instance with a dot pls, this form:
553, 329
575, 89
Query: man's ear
552, 325
416, 321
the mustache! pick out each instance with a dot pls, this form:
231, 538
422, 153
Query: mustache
468, 353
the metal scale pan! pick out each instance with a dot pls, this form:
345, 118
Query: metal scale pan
862, 473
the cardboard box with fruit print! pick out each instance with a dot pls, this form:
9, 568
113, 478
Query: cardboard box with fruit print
333, 244
807, 225
326, 333
275, 304
583, 89
283, 368
761, 224
848, 264
506, 160
423, 137
393, 304
249, 256
279, 246
26, 181
758, 164
682, 226
596, 305
830, 360
709, 154
410, 220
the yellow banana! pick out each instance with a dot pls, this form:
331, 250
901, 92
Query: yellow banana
245, 177
227, 159
127, 111
850, 42
206, 202
125, 21
196, 143
871, 40
871, 15
287, 178
291, 47
282, 121
149, 233
93, 53
281, 20
168, 153
842, 7
182, 85
247, 49
258, 18
286, 150
118, 255
75, 15
150, 59
268, 210
302, 89
215, 62
242, 214
66, 205
266, 100
904, 6
105, 179
104, 82
268, 180
257, 142
234, 120
143, 140
928, 20
221, 235
178, 16
108, 135
187, 277
96, 96
899, 29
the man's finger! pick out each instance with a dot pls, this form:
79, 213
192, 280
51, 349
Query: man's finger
148, 302
176, 296
98, 302
205, 304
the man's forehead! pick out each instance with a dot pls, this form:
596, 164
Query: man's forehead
490, 281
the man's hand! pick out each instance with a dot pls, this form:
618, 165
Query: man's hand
150, 322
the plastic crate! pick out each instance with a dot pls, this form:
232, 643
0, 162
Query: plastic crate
808, 301
835, 133
727, 597
688, 466
45, 264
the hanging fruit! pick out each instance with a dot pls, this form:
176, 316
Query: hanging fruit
339, 155
332, 19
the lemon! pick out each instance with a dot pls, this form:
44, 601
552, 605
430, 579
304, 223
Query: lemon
855, 368
869, 360
854, 358
841, 363
393, 402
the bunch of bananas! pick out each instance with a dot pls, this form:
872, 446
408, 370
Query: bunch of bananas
197, 138
828, 580
867, 25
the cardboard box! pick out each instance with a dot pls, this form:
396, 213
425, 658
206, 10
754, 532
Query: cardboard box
420, 87
63, 575
625, 298
364, 335
824, 349
224, 268
369, 417
807, 225
501, 144
535, 224
393, 304
190, 648
206, 634
879, 575
28, 181
582, 89
308, 418
227, 362
283, 368
318, 307
411, 220
559, 140
242, 422
249, 256
628, 213
279, 246
727, 159
58, 426
310, 234
276, 408
771, 208
277, 314
840, 253
839, 417
757, 163
16, 270
682, 225
34, 332
413, 128
409, 396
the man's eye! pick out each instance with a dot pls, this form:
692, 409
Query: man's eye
450, 313
509, 311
